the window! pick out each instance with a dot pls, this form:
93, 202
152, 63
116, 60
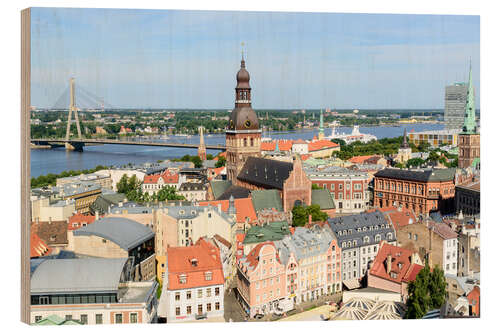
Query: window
84, 319
38, 318
69, 317
177, 296
98, 318
177, 311
209, 307
415, 237
119, 318
332, 187
409, 235
217, 305
200, 293
188, 309
182, 278
188, 295
209, 292
217, 291
257, 285
133, 317
200, 308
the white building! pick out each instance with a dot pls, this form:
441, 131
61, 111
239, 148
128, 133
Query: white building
195, 287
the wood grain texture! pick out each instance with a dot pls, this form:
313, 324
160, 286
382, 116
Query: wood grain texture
25, 162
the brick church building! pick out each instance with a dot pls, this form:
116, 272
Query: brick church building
244, 164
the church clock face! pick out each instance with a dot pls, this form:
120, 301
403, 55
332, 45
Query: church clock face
247, 123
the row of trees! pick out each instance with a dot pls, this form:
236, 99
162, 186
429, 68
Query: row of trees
51, 178
131, 187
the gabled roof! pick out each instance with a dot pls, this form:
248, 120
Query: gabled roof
52, 232
77, 275
168, 178
321, 144
323, 198
443, 230
193, 262
264, 199
237, 192
399, 217
427, 175
126, 233
219, 187
79, 219
244, 208
400, 265
192, 187
251, 260
265, 172
360, 159
267, 232
38, 248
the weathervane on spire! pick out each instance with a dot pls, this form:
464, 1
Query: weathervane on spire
242, 49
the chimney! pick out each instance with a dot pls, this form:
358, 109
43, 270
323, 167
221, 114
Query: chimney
389, 263
96, 215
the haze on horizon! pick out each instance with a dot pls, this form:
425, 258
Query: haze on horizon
189, 59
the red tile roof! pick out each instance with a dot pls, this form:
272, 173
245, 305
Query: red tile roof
168, 178
398, 218
252, 258
244, 208
443, 230
305, 157
38, 248
214, 172
283, 145
80, 221
180, 261
223, 154
360, 159
400, 264
321, 144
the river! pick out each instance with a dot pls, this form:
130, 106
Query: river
44, 161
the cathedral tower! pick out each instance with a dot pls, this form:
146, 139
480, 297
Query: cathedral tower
469, 139
243, 133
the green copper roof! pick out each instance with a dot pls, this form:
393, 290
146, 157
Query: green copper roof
264, 199
322, 198
219, 187
470, 109
268, 232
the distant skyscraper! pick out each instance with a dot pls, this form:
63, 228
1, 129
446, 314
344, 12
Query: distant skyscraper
454, 105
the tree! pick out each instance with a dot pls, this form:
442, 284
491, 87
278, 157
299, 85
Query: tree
221, 161
399, 165
315, 187
415, 162
340, 142
299, 216
426, 293
168, 193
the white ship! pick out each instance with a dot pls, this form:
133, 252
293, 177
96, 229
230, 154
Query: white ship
350, 138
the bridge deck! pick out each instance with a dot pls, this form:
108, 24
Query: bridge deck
124, 142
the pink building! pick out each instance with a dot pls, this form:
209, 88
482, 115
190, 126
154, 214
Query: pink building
261, 280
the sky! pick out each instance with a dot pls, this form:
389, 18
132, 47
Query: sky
189, 59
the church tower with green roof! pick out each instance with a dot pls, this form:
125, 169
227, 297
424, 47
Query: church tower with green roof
469, 139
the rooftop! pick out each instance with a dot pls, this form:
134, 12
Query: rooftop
265, 172
268, 232
423, 175
77, 275
122, 231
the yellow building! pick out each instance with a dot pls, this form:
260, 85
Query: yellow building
435, 138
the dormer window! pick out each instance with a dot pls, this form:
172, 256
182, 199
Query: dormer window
194, 262
377, 238
182, 278
389, 236
208, 276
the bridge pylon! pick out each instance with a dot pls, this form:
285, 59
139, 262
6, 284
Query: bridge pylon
72, 108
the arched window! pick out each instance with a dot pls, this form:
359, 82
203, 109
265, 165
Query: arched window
389, 236
377, 238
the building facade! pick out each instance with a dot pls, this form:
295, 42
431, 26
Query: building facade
422, 191
261, 280
468, 197
195, 283
454, 105
91, 291
348, 188
359, 237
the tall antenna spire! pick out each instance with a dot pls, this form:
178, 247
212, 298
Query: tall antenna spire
242, 46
